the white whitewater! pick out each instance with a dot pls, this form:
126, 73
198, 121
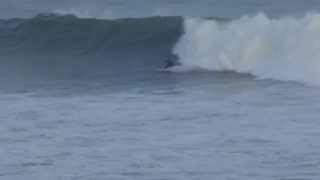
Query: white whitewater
282, 49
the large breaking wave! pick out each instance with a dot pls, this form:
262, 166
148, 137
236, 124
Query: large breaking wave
283, 49
286, 48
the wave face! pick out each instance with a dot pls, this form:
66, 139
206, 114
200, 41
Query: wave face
282, 49
65, 47
67, 34
286, 48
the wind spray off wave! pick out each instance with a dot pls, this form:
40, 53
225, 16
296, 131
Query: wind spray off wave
282, 49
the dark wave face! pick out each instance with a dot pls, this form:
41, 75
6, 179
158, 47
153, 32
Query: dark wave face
69, 35
70, 48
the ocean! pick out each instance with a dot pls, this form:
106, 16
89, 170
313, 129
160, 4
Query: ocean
91, 98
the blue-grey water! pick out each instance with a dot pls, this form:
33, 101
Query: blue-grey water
185, 126
89, 99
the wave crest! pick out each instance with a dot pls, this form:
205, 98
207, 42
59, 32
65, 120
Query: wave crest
283, 49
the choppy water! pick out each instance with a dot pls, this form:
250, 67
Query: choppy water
181, 126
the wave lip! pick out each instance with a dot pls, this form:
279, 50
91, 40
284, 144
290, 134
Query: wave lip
286, 49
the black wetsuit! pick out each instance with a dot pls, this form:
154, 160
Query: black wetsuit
170, 63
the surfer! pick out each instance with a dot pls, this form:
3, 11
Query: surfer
170, 62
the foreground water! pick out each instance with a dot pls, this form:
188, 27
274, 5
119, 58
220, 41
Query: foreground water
161, 126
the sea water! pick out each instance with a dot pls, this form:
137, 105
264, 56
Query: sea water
88, 99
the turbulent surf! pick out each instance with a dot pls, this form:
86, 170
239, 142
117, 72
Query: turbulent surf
282, 49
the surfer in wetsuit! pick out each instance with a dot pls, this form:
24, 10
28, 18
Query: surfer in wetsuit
170, 62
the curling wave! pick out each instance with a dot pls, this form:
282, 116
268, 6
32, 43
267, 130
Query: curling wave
282, 49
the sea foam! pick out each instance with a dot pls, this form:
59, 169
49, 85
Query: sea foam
286, 49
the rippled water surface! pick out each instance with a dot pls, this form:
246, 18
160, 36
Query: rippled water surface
166, 126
